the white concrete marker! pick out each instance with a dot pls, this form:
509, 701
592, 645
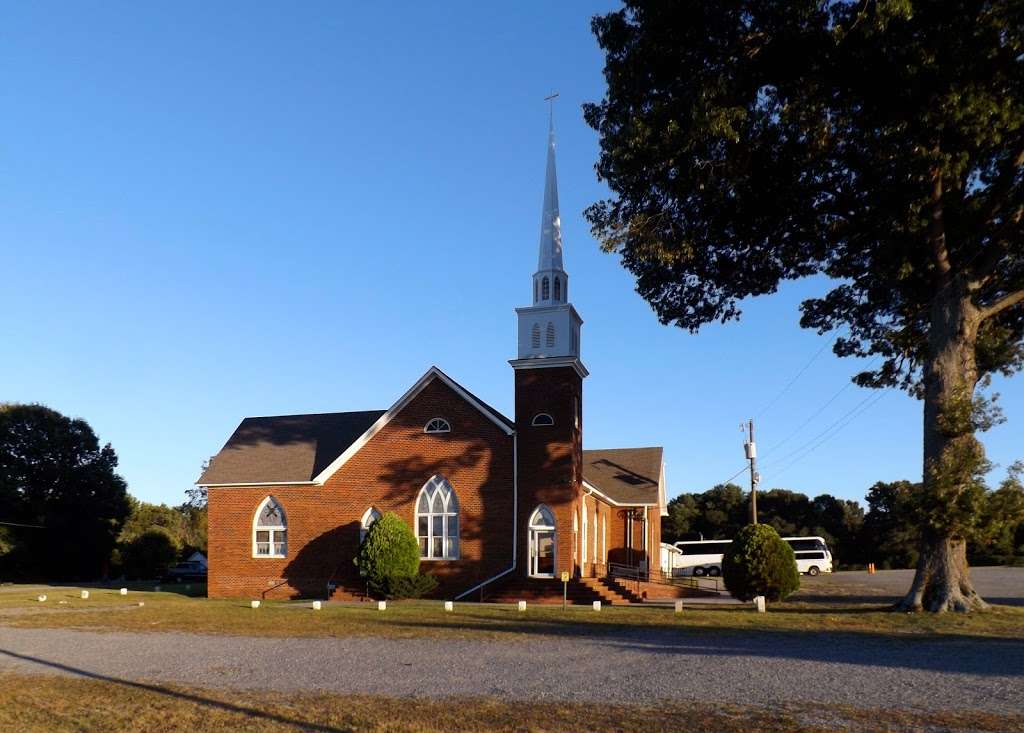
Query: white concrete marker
759, 603
124, 591
449, 606
522, 605
41, 599
85, 594
316, 605
382, 605
679, 606
597, 605
141, 604
254, 604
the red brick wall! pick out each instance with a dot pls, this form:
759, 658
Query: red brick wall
550, 457
387, 473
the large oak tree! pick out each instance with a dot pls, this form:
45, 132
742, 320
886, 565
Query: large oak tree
877, 142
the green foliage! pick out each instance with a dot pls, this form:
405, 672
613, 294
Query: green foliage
144, 517
388, 551
720, 512
891, 535
147, 555
404, 586
746, 144
53, 472
759, 563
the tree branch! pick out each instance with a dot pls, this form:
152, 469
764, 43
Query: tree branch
1007, 301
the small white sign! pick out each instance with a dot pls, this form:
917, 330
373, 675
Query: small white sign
521, 605
679, 606
382, 605
597, 605
759, 604
449, 606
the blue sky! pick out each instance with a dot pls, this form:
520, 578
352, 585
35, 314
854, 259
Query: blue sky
209, 211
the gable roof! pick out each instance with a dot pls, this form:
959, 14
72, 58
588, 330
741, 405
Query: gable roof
631, 476
433, 373
310, 448
285, 448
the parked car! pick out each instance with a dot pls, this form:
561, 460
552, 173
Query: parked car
185, 572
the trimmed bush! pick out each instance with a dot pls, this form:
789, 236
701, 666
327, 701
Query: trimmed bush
149, 554
759, 563
406, 586
389, 556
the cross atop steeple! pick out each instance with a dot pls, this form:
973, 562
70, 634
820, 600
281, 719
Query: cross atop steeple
550, 282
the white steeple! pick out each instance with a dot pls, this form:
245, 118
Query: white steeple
550, 282
549, 329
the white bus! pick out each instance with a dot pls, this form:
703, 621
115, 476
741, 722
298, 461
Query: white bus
812, 554
704, 557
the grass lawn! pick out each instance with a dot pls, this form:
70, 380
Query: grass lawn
106, 609
45, 704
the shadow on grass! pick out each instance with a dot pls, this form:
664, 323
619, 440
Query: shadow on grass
189, 697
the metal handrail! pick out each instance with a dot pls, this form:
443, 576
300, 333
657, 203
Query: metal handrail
631, 572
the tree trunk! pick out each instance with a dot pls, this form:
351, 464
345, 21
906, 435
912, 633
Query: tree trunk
942, 581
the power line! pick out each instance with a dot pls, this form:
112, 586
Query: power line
862, 407
823, 432
16, 524
794, 379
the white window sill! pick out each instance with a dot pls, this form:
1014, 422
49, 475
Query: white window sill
269, 557
438, 559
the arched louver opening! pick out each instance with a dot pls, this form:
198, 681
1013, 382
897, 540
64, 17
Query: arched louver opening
437, 425
558, 289
545, 289
535, 336
542, 418
550, 336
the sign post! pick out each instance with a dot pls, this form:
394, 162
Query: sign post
565, 587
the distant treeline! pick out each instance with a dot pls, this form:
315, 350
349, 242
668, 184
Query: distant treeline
886, 534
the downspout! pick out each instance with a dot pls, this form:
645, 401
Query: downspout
515, 520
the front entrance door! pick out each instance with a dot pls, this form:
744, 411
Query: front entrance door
542, 543
542, 553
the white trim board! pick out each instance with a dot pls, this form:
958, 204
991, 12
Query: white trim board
383, 420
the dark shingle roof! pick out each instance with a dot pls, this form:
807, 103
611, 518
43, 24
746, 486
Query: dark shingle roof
625, 475
286, 448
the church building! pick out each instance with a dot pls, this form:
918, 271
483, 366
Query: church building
501, 506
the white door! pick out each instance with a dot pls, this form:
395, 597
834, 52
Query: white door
542, 543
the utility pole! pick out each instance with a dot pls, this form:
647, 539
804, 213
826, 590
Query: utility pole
750, 447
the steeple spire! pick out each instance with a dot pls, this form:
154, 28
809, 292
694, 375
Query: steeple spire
549, 329
550, 282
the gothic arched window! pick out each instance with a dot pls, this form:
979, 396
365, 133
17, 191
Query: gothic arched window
437, 520
535, 336
371, 516
545, 289
550, 337
542, 418
270, 530
558, 289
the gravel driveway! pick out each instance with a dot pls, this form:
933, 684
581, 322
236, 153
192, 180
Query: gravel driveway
638, 665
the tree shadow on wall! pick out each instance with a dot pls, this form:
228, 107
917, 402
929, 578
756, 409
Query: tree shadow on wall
326, 558
486, 522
